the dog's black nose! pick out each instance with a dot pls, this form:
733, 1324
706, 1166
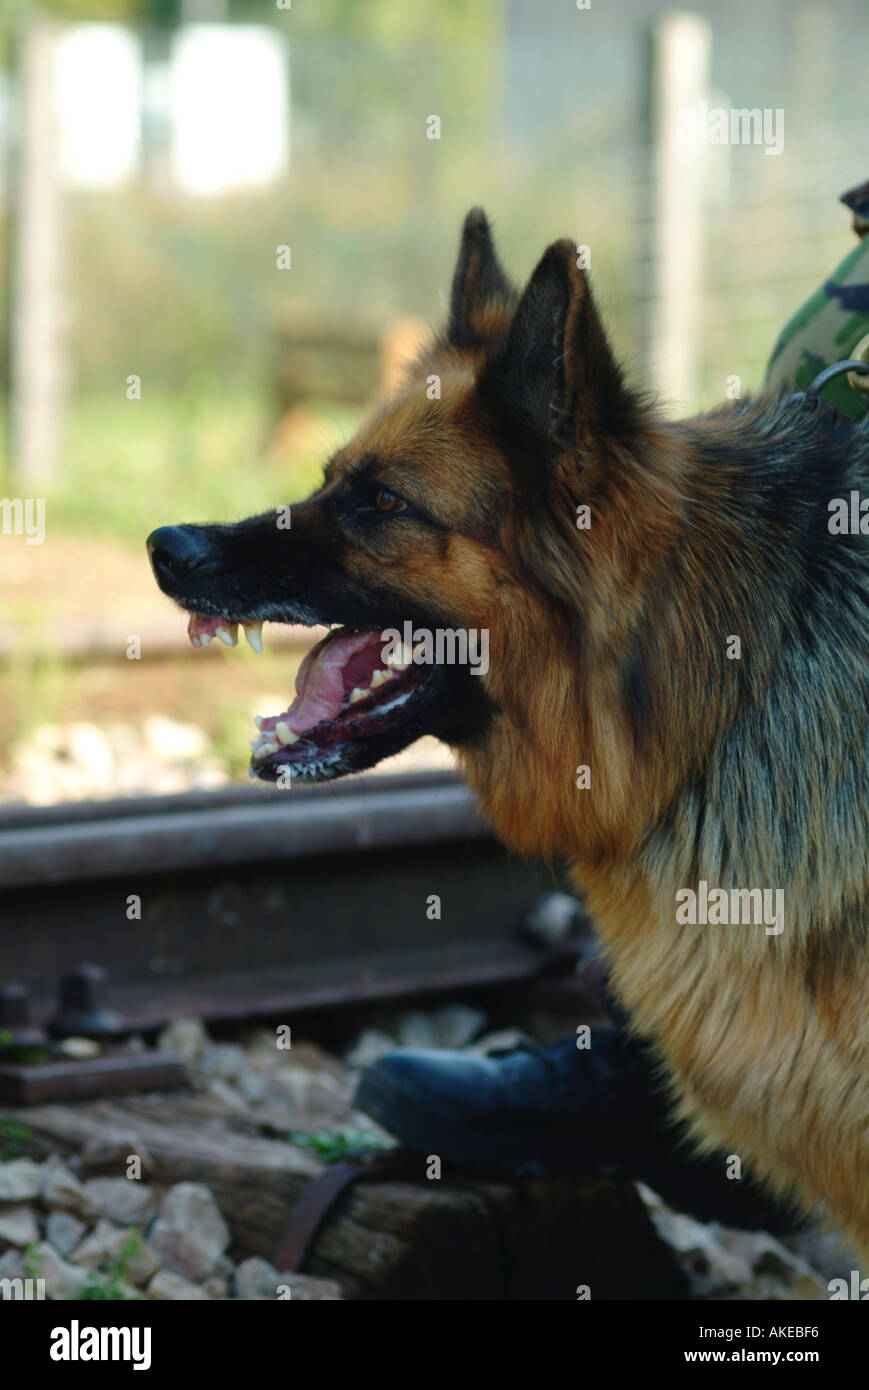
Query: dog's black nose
176, 550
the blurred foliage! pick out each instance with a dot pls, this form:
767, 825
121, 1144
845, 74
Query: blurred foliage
185, 293
199, 445
13, 1137
331, 1146
110, 1281
389, 21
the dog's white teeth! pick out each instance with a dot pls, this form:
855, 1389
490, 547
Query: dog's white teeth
285, 733
357, 694
402, 659
228, 634
205, 639
254, 634
380, 677
258, 720
195, 642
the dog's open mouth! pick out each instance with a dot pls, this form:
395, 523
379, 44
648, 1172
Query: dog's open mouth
352, 686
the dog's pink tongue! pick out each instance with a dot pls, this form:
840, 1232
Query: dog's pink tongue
321, 684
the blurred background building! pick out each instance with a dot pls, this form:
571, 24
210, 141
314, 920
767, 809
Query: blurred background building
221, 221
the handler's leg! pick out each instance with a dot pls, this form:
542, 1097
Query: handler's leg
557, 1111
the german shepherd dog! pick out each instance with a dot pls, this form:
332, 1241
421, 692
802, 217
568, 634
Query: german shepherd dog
677, 695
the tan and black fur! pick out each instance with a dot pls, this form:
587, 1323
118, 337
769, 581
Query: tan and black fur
609, 649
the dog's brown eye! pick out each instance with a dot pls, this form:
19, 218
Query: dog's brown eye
386, 501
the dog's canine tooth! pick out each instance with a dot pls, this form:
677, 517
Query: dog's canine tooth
228, 634
254, 634
285, 733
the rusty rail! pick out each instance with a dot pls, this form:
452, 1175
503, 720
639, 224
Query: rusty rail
251, 901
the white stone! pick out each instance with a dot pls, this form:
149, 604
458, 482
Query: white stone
226, 1060
719, 1260
291, 1086
186, 1037
261, 1049
64, 1231
554, 918
100, 1245
62, 1191
17, 1227
128, 1201
226, 1094
89, 747
62, 1280
81, 1049
168, 1286
190, 1235
253, 1087
12, 1265
172, 741
20, 1180
108, 1244
215, 1286
255, 1279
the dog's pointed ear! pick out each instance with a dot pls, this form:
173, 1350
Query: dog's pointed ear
556, 378
482, 297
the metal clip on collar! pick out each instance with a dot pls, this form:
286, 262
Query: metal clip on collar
841, 425
823, 379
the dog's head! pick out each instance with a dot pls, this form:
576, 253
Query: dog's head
443, 539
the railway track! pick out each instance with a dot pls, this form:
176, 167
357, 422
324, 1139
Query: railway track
253, 902
301, 907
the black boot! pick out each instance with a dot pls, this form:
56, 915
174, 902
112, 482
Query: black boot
560, 1111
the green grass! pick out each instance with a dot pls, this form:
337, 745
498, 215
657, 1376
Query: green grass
108, 1283
331, 1147
12, 1139
111, 1283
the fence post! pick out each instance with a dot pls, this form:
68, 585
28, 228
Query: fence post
680, 50
37, 377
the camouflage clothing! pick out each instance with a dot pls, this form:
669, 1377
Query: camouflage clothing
830, 324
